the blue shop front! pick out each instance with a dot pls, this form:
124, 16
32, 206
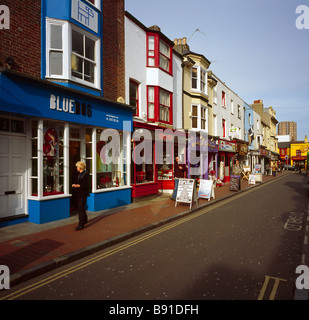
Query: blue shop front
45, 128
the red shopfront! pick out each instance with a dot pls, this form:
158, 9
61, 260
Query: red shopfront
226, 156
149, 178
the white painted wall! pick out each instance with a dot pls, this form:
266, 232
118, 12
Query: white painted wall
135, 68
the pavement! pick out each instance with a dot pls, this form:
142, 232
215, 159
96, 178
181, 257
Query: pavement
30, 250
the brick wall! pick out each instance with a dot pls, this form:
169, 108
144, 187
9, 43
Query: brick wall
113, 49
22, 41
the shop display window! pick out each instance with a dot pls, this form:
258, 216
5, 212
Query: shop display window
165, 170
47, 159
142, 173
53, 160
56, 147
113, 174
34, 158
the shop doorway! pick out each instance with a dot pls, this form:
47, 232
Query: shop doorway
12, 175
74, 151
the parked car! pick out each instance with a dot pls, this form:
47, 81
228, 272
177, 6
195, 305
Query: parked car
289, 167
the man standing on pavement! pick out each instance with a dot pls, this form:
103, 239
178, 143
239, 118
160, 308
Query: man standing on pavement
237, 169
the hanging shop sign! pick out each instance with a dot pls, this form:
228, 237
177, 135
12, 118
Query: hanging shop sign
263, 152
242, 148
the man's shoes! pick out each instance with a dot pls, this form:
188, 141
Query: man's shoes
79, 228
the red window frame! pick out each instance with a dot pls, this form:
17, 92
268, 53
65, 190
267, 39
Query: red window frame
156, 103
223, 128
223, 99
135, 99
156, 54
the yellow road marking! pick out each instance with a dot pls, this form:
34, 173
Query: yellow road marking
274, 289
90, 261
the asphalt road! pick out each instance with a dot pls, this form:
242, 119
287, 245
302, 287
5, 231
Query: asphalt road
243, 248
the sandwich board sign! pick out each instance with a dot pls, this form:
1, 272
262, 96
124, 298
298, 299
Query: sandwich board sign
251, 179
206, 190
186, 192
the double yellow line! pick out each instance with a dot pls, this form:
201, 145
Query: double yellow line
127, 245
95, 259
274, 289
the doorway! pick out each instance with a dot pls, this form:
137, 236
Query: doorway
12, 175
74, 151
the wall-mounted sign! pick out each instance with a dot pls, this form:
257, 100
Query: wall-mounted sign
69, 105
85, 14
227, 146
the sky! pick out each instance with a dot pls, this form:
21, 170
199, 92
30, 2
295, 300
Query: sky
254, 46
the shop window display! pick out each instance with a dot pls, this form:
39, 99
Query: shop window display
113, 174
49, 139
144, 172
53, 160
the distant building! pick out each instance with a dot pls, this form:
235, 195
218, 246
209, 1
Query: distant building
288, 128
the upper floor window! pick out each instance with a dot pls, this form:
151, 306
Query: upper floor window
96, 3
159, 105
83, 57
223, 99
72, 53
199, 117
134, 101
199, 79
223, 128
159, 53
239, 111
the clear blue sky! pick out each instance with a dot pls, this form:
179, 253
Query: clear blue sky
254, 46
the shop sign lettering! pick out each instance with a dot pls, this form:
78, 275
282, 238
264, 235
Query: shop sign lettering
69, 106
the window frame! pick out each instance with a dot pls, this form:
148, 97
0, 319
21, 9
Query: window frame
67, 28
223, 98
199, 117
200, 80
131, 81
156, 103
223, 128
157, 53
